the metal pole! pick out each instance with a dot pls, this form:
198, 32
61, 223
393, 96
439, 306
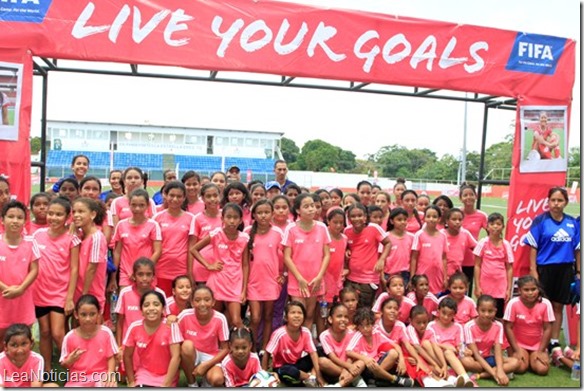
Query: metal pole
43, 158
463, 171
482, 162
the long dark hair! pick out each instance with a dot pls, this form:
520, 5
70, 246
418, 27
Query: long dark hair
254, 226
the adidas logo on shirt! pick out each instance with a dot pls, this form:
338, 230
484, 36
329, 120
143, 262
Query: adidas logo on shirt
561, 236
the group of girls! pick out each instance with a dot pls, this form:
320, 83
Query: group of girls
250, 249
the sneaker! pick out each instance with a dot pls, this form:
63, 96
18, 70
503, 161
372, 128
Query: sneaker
468, 383
311, 382
568, 352
333, 385
459, 381
359, 382
193, 385
556, 355
403, 381
511, 375
552, 346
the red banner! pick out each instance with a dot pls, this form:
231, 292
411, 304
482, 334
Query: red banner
16, 95
295, 40
540, 154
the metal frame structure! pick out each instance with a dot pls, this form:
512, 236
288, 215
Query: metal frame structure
44, 66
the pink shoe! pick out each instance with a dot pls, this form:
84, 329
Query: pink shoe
568, 352
556, 355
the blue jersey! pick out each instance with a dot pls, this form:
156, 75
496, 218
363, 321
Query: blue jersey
555, 241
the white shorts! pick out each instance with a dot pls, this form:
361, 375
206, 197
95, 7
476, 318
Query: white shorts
203, 357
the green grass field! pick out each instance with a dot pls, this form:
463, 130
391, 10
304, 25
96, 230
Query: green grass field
557, 377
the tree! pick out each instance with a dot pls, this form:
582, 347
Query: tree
290, 150
574, 165
498, 158
35, 145
397, 161
318, 155
445, 169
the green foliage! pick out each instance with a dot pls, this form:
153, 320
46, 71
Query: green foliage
397, 161
35, 145
574, 165
498, 156
318, 155
290, 150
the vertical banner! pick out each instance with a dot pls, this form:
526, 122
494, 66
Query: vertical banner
540, 157
15, 101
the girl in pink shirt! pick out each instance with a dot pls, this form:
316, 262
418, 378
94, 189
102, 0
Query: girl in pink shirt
206, 222
421, 294
409, 200
474, 221
334, 341
484, 337
379, 354
20, 366
266, 268
132, 179
19, 257
89, 351
281, 219
182, 287
206, 334
445, 204
528, 326
240, 364
396, 289
39, 204
237, 193
87, 214
349, 297
336, 197
365, 263
398, 260
157, 345
229, 263
466, 307
429, 251
459, 240
383, 200
90, 187
449, 339
494, 264
135, 237
192, 182
178, 236
257, 192
293, 353
54, 287
306, 255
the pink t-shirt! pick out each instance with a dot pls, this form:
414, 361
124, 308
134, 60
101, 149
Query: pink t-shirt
398, 259
227, 284
176, 232
413, 225
285, 350
331, 345
15, 262
203, 226
528, 322
404, 307
93, 250
473, 223
93, 363
237, 377
32, 227
172, 306
153, 351
430, 301
364, 248
457, 247
379, 344
128, 304
485, 340
493, 278
196, 208
465, 309
265, 265
120, 207
451, 335
414, 338
397, 333
12, 376
307, 253
208, 337
430, 250
333, 277
136, 241
52, 282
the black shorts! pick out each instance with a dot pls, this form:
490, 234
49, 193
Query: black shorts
42, 311
289, 374
366, 293
555, 280
500, 309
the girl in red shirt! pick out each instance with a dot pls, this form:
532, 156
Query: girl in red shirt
240, 364
39, 204
181, 295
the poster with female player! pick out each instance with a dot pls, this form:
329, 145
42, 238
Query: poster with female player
10, 87
543, 139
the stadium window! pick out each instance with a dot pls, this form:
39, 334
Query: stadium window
62, 132
79, 133
252, 142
